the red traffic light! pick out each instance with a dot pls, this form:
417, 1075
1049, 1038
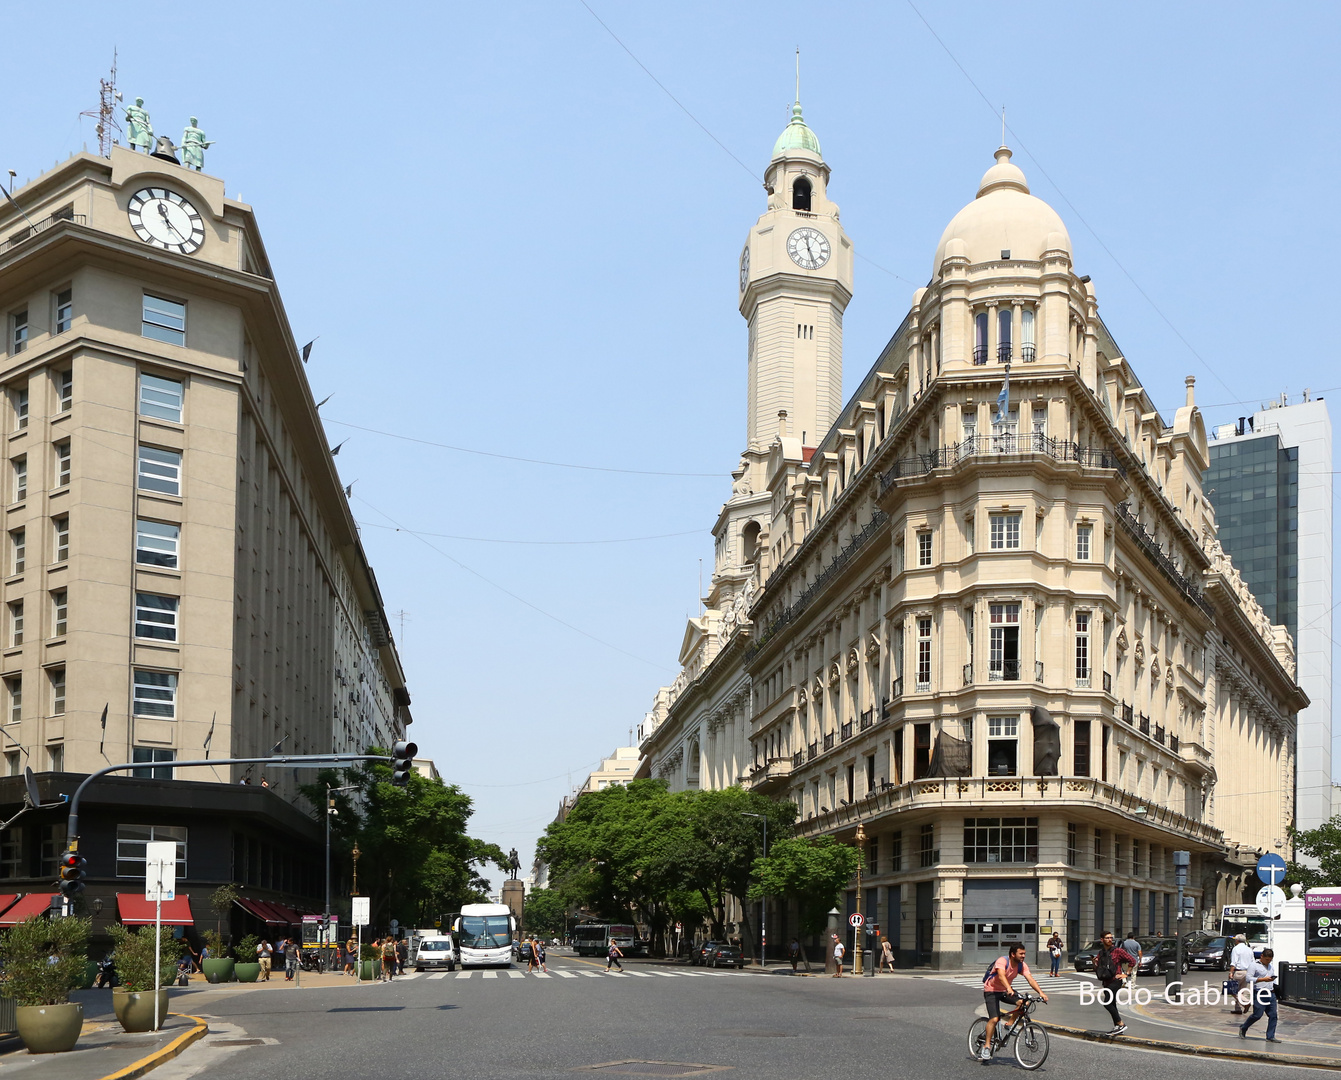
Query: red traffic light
72, 866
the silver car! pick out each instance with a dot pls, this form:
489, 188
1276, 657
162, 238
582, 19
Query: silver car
435, 952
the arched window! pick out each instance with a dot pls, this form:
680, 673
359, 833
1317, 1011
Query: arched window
1005, 327
980, 338
749, 543
1027, 335
801, 194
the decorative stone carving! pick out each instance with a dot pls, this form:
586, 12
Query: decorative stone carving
801, 698
872, 648
1140, 653
740, 480
835, 676
1122, 642
1168, 673
853, 661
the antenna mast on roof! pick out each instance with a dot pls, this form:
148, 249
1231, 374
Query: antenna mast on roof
105, 114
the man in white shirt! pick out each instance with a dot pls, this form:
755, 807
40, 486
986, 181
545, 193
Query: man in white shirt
1241, 958
1262, 980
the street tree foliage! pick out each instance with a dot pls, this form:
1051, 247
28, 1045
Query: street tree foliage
663, 856
416, 860
1322, 844
813, 872
546, 914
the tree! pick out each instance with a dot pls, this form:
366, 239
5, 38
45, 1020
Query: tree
1322, 844
812, 871
545, 914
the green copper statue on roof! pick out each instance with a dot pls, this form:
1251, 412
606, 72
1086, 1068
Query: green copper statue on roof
194, 145
139, 132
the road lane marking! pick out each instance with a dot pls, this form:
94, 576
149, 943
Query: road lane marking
567, 974
490, 974
542, 975
667, 974
516, 974
464, 974
593, 974
641, 974
443, 975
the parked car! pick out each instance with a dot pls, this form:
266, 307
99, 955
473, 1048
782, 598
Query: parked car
1211, 954
521, 952
435, 952
724, 955
1159, 955
1084, 959
698, 953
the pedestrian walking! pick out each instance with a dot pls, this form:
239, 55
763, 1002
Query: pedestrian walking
290, 959
389, 958
402, 955
1108, 963
540, 950
794, 953
838, 949
351, 955
264, 953
1262, 980
612, 956
1055, 952
886, 955
533, 958
1241, 958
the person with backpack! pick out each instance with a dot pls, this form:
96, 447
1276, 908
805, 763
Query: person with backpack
1108, 963
612, 956
997, 990
1055, 949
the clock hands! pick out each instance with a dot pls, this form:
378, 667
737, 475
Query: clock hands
163, 213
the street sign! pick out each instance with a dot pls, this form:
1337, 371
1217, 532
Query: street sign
361, 906
856, 919
395, 925
1270, 899
679, 927
160, 870
1271, 869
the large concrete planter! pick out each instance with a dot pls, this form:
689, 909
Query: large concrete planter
247, 972
50, 1029
135, 1009
219, 969
368, 970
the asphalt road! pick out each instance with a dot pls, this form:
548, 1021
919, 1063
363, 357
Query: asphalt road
770, 1027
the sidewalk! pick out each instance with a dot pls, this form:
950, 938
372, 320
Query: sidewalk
105, 1051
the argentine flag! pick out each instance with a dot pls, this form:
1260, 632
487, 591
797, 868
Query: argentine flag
1003, 399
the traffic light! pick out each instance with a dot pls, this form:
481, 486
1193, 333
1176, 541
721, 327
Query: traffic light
402, 761
72, 874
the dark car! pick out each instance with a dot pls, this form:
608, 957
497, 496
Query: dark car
1212, 954
521, 952
1158, 955
698, 954
1084, 959
724, 955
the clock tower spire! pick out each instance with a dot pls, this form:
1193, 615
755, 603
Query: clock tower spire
795, 283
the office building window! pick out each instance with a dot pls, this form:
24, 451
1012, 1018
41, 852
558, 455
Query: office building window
65, 390
1005, 531
131, 839
921, 750
13, 763
57, 677
1001, 840
1082, 648
156, 543
924, 548
18, 331
64, 310
896, 853
1083, 535
56, 757
873, 856
155, 616
924, 653
155, 762
161, 398
927, 855
53, 847
60, 612
14, 692
18, 550
16, 622
20, 396
1002, 745
160, 470
1081, 734
1072, 844
63, 463
164, 320
11, 852
60, 530
155, 694
1003, 660
21, 478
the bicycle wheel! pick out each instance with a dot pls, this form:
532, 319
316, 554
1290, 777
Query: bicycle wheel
1031, 1045
977, 1034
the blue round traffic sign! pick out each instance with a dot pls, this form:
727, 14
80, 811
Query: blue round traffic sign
1271, 869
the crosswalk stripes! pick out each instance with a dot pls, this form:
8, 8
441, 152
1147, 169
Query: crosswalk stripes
516, 974
667, 974
1062, 984
439, 975
464, 974
591, 974
490, 974
566, 974
542, 975
641, 974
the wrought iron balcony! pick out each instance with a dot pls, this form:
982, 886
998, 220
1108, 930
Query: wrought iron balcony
1027, 354
1003, 353
798, 759
812, 752
828, 741
1083, 678
1156, 555
846, 730
1144, 726
980, 354
1004, 671
896, 689
1126, 713
20, 235
1173, 743
972, 446
867, 719
1159, 734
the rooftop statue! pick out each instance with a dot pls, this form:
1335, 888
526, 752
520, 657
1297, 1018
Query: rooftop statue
194, 145
139, 132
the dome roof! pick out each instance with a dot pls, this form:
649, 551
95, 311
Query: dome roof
796, 136
1004, 217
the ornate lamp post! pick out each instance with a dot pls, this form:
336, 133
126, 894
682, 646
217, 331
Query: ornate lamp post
355, 855
856, 932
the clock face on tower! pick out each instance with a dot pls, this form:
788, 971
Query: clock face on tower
166, 220
744, 267
808, 248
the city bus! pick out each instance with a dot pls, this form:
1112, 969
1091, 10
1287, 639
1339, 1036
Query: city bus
1248, 920
484, 935
593, 939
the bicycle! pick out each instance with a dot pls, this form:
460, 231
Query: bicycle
1030, 1038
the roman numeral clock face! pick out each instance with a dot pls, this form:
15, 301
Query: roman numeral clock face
166, 220
809, 248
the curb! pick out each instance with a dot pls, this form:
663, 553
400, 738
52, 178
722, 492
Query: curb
165, 1053
1194, 1049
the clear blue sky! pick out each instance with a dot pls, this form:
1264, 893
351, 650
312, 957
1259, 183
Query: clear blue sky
508, 238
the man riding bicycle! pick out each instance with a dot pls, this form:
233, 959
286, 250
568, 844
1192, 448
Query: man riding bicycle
997, 991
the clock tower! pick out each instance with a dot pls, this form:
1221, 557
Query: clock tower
795, 283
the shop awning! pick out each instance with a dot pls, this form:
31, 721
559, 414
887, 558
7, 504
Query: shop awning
258, 909
35, 903
135, 910
285, 912
7, 901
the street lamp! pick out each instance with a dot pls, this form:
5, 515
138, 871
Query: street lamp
856, 930
763, 904
330, 812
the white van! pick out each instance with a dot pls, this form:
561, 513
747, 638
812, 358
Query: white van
435, 952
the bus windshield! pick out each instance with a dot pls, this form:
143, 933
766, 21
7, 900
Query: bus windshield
1253, 927
485, 932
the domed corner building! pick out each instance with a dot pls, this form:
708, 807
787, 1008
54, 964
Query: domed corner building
980, 609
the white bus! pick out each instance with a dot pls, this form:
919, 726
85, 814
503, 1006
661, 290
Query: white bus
484, 935
594, 939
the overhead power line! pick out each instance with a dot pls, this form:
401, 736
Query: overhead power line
548, 543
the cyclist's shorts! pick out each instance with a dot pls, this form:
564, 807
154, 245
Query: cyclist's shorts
995, 999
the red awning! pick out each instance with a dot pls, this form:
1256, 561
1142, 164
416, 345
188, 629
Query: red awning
259, 910
35, 903
287, 913
135, 910
7, 900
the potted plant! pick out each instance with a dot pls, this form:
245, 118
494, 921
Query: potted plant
248, 968
370, 959
44, 960
217, 966
134, 1000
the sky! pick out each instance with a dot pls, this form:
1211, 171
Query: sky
510, 240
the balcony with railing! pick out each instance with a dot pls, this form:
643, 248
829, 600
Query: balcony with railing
27, 232
1027, 354
1003, 671
812, 752
1144, 726
896, 689
1173, 743
922, 686
980, 354
986, 446
1083, 678
828, 741
1159, 734
1126, 713
1108, 683
845, 732
798, 759
1003, 353
1197, 757
1156, 555
868, 719
771, 772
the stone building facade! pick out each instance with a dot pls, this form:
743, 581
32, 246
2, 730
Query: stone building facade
984, 613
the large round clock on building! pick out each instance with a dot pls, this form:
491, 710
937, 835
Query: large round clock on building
166, 220
744, 267
809, 248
